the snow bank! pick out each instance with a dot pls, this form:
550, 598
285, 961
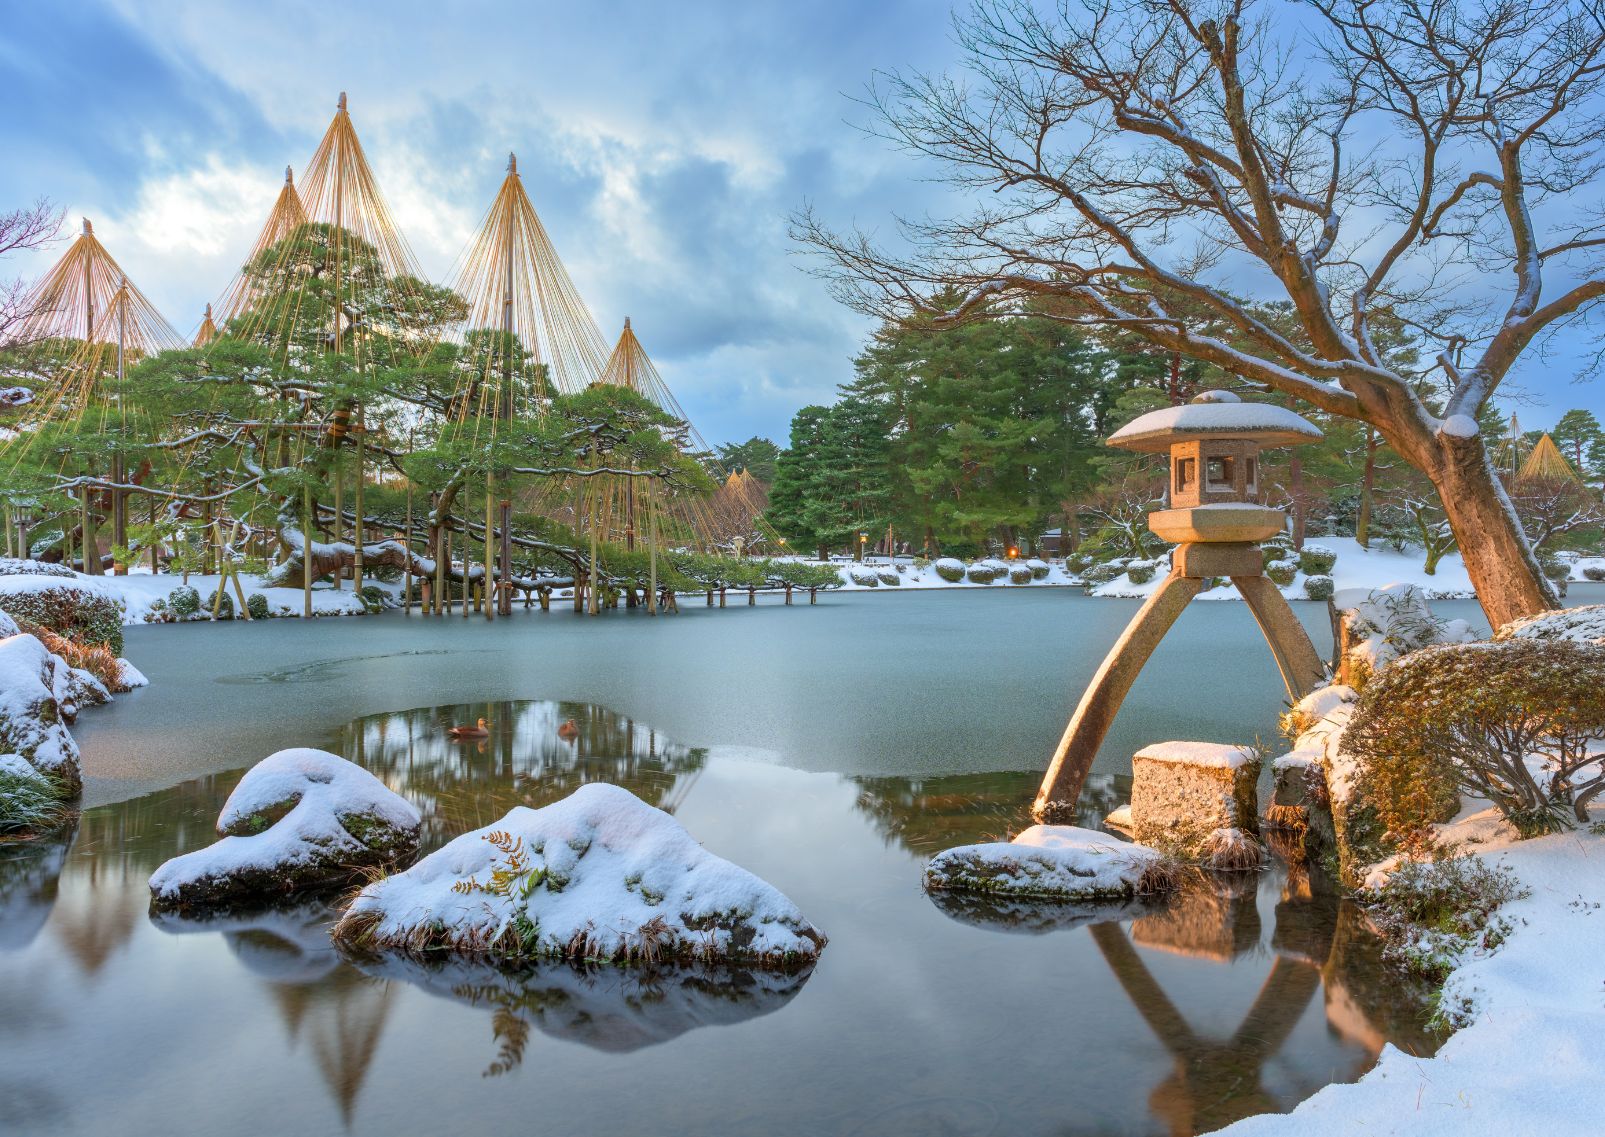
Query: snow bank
1059, 862
298, 818
1356, 568
614, 1012
598, 875
1530, 1062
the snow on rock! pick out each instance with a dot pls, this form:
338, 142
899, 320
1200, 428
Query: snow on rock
1530, 1060
1212, 754
1382, 624
32, 724
1585, 625
299, 818
618, 1014
1056, 862
598, 875
130, 675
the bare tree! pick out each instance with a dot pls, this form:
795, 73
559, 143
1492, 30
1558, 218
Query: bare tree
1429, 165
21, 230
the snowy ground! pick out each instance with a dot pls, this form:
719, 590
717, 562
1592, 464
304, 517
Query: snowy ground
1356, 568
1531, 1062
139, 590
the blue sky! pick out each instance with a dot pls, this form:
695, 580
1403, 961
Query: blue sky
663, 145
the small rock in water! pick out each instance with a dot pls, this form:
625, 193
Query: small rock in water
600, 875
300, 818
1185, 794
1053, 862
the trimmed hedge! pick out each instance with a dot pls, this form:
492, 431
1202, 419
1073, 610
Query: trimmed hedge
184, 601
949, 569
222, 601
1140, 572
68, 609
1281, 574
1020, 574
1315, 560
257, 605
1319, 587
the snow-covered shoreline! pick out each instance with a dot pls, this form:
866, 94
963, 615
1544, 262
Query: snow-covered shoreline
1530, 1061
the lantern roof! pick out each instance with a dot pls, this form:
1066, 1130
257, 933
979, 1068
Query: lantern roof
1215, 414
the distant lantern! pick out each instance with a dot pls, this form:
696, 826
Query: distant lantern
1216, 518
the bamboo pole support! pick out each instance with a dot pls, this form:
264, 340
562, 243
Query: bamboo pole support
361, 537
306, 552
489, 588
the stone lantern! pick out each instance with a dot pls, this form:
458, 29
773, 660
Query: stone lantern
1217, 518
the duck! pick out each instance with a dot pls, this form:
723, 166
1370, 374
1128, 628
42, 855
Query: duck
478, 731
568, 731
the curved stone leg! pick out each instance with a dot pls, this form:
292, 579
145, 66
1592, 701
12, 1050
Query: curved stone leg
1056, 800
1302, 669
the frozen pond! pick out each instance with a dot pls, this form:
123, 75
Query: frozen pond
828, 749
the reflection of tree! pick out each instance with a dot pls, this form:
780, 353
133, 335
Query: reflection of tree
460, 786
320, 996
927, 815
30, 873
611, 1009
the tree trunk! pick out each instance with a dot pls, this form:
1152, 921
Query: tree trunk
1502, 567
1300, 506
1362, 522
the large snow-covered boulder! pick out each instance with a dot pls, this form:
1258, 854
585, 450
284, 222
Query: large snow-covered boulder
300, 818
1584, 625
1198, 801
598, 875
1053, 862
33, 687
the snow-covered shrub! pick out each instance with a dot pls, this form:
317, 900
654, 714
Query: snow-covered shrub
257, 605
600, 875
1079, 562
1514, 721
1270, 553
1140, 572
982, 572
1039, 568
221, 602
889, 576
949, 569
1019, 574
14, 566
373, 599
1102, 573
1594, 573
864, 576
1281, 573
1584, 624
1431, 913
1319, 587
299, 818
71, 608
1558, 572
184, 602
93, 658
1388, 623
1316, 560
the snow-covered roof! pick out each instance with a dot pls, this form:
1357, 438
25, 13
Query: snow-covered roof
1218, 413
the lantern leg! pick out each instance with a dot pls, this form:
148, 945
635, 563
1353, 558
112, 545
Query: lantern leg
1296, 658
1056, 800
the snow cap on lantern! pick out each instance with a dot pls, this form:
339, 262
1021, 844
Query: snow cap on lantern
1214, 443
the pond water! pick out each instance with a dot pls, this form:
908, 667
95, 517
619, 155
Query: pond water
827, 749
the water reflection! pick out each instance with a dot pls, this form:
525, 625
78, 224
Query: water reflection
611, 1009
525, 761
1206, 1003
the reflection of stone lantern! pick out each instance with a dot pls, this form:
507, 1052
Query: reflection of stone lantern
1216, 519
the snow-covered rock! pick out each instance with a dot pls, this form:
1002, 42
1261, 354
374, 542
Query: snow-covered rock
1584, 625
299, 818
1056, 862
32, 724
131, 676
598, 875
1197, 801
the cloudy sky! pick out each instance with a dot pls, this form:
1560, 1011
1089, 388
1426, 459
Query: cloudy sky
664, 146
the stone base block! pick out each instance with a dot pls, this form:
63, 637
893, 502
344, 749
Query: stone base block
1202, 561
1183, 792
